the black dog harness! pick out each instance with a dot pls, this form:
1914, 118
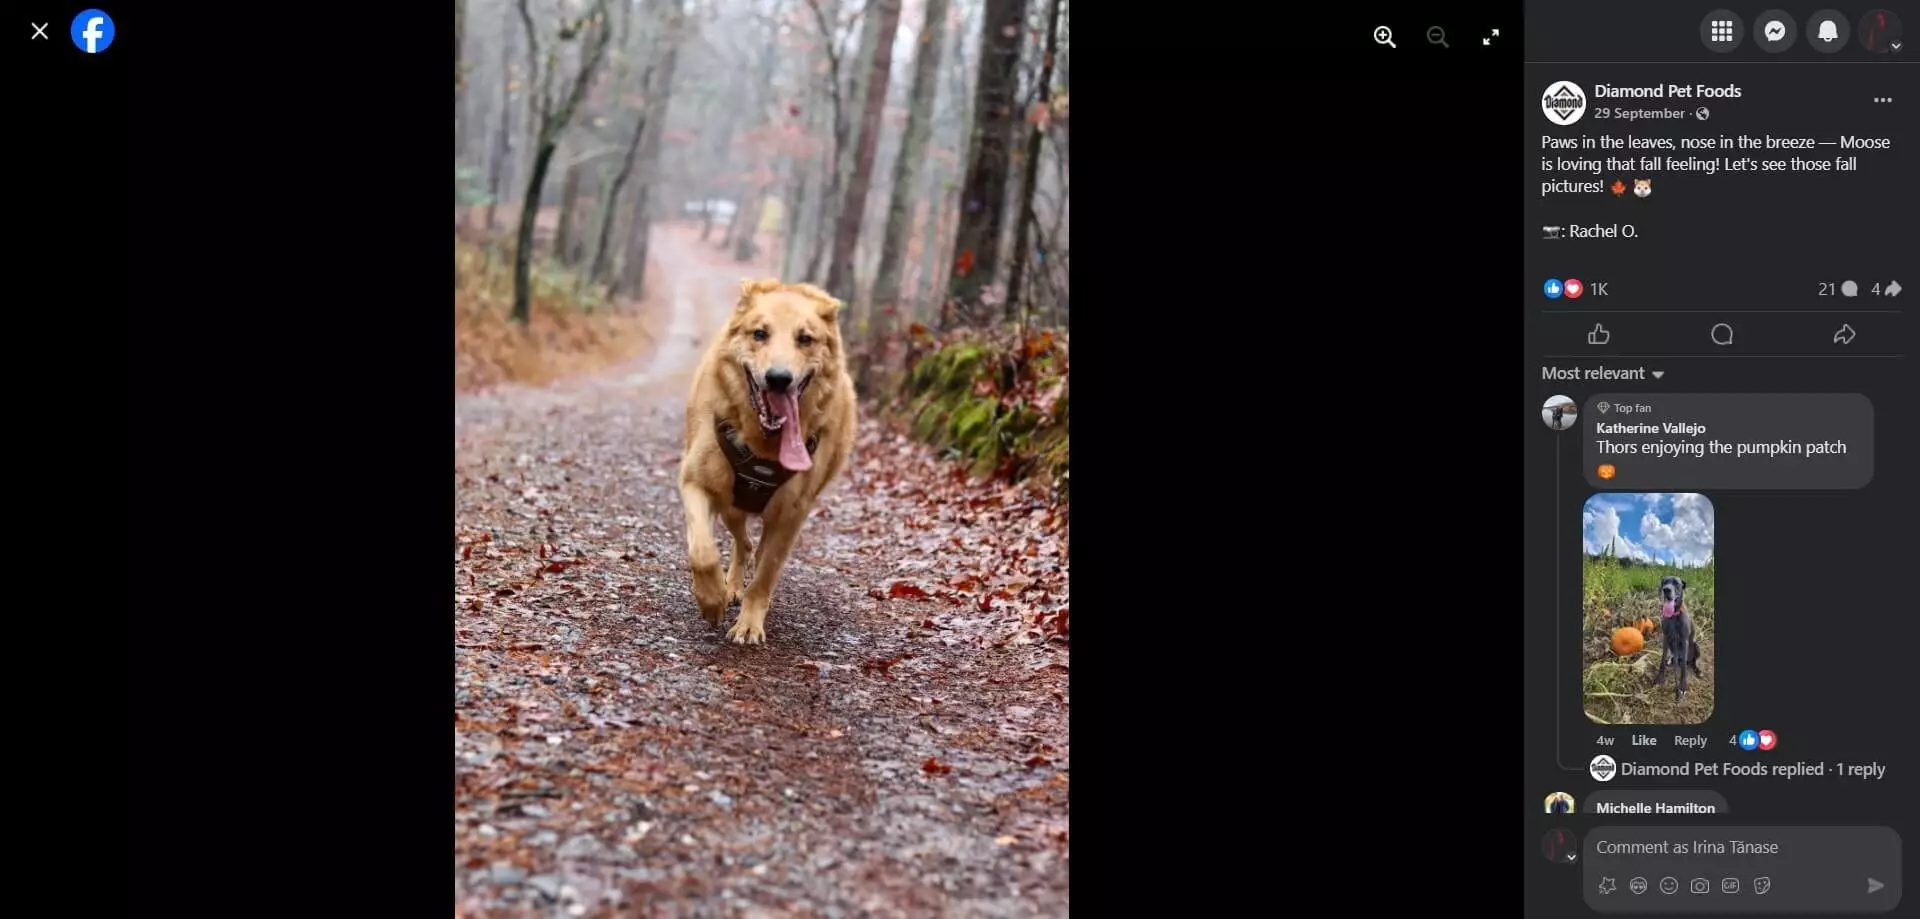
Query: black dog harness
754, 479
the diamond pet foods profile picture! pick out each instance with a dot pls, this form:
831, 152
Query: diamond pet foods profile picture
1563, 103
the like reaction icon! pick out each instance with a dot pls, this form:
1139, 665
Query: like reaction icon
1599, 335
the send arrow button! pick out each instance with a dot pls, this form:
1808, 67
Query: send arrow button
1874, 886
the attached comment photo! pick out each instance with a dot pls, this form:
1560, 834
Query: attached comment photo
1649, 616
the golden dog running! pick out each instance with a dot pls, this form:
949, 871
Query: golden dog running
770, 422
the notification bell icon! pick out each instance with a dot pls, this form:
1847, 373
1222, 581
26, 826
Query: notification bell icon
1828, 31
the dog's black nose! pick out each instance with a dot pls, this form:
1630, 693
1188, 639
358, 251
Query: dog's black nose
779, 378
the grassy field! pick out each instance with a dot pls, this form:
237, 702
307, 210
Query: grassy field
1616, 593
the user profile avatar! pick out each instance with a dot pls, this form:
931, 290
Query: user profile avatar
1559, 412
1559, 803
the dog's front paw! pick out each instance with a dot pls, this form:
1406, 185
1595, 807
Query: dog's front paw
747, 632
710, 593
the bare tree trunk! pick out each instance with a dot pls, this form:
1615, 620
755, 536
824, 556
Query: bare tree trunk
553, 123
846, 239
830, 199
795, 210
1024, 219
523, 237
720, 159
459, 37
503, 139
976, 252
603, 246
565, 239
633, 274
913, 148
763, 100
928, 282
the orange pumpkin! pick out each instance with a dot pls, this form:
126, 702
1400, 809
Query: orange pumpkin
1646, 627
1628, 641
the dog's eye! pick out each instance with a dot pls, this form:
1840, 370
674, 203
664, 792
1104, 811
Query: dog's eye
759, 334
804, 339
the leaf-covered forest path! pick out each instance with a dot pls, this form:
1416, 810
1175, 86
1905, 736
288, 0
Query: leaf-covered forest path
898, 748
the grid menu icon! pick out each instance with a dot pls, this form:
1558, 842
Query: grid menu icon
1721, 30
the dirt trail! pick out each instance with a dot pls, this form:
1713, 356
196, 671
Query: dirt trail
895, 750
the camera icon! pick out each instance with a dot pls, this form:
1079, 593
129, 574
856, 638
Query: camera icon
1700, 885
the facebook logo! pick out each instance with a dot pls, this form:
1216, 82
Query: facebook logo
92, 31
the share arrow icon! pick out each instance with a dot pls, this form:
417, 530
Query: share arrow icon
1845, 335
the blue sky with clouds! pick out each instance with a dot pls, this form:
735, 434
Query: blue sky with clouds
1671, 529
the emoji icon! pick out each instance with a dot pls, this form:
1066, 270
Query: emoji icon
1768, 739
1572, 288
1605, 471
1669, 886
1642, 187
1619, 188
1749, 740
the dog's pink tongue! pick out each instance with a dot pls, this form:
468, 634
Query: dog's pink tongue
793, 444
1666, 609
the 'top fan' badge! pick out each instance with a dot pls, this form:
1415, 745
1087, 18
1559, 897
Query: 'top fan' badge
1564, 103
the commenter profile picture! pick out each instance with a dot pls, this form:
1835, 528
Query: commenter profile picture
1559, 412
1564, 103
1559, 803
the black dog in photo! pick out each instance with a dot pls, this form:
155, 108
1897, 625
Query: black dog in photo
1676, 635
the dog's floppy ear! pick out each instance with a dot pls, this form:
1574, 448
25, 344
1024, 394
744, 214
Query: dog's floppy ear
1683, 581
825, 304
751, 286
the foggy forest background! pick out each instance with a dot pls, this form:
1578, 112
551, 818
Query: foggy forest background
910, 156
